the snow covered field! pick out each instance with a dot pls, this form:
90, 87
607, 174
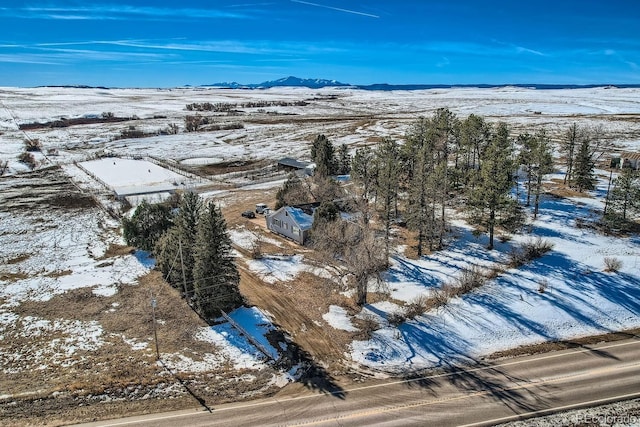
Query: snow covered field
48, 253
345, 115
133, 176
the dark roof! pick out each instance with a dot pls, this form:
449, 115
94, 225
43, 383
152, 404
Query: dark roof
293, 163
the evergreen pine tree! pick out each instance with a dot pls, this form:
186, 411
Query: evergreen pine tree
526, 158
175, 249
489, 200
474, 137
146, 226
344, 160
167, 252
583, 168
420, 206
543, 159
426, 163
624, 200
292, 192
388, 166
215, 274
363, 170
324, 156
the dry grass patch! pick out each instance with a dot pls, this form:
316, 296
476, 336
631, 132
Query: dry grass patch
115, 250
59, 273
13, 277
124, 316
232, 166
114, 370
18, 259
558, 189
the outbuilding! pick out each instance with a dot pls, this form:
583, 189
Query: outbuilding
631, 160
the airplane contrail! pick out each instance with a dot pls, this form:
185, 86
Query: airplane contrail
335, 8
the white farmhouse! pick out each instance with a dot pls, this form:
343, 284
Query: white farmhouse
290, 222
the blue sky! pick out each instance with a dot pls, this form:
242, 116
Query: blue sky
163, 43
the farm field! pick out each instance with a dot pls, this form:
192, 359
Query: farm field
75, 301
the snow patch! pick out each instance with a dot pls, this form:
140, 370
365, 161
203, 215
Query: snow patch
338, 318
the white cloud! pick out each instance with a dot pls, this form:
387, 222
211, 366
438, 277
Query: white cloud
120, 12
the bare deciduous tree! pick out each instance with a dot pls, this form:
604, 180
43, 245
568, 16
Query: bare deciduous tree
353, 247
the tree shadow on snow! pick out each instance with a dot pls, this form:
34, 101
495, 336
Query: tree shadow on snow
586, 285
577, 299
450, 352
308, 372
407, 271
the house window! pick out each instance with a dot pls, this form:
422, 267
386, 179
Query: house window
295, 230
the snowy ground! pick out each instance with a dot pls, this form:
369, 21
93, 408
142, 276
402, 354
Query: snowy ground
129, 176
46, 253
580, 297
345, 115
50, 249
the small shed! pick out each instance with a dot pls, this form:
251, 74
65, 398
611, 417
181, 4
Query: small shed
292, 165
290, 222
631, 160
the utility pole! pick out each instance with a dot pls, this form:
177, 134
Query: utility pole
184, 278
155, 333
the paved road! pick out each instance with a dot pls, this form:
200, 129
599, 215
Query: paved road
486, 394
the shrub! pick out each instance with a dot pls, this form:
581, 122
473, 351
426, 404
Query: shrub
469, 279
256, 247
440, 296
416, 307
28, 159
516, 257
32, 145
543, 285
396, 318
504, 238
536, 248
367, 324
528, 251
612, 265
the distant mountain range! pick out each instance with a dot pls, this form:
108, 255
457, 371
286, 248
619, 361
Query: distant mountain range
292, 81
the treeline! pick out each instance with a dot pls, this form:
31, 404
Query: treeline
226, 107
197, 122
192, 250
445, 166
446, 163
133, 132
107, 117
443, 162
